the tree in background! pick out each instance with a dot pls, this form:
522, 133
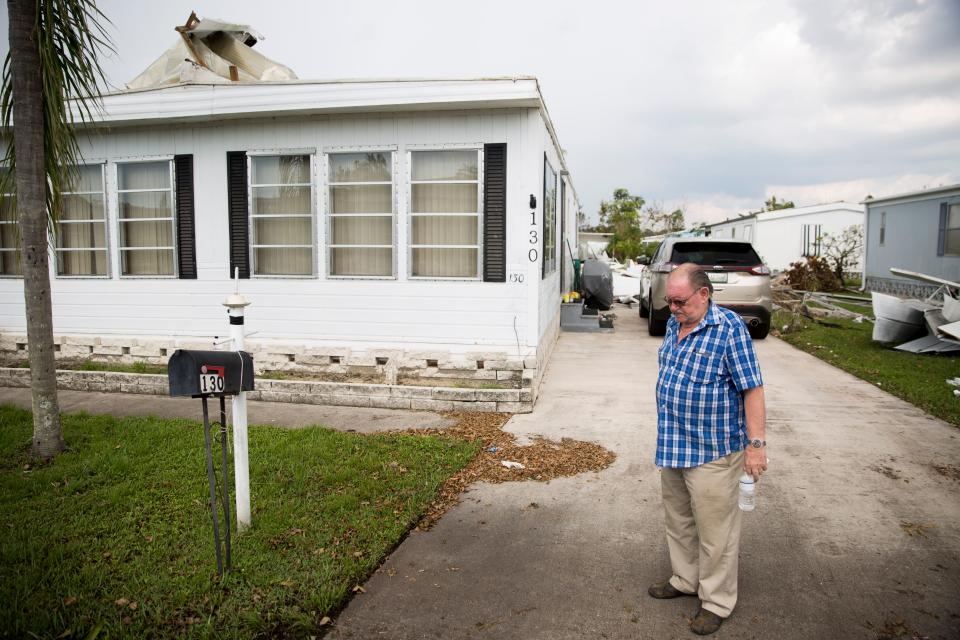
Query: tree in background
843, 250
699, 229
582, 220
621, 217
53, 57
771, 204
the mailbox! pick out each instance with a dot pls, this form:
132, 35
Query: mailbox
202, 373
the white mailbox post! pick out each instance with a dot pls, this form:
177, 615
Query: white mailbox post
241, 467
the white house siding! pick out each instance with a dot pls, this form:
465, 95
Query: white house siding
453, 316
742, 229
779, 235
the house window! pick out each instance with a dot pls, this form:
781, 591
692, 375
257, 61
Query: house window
281, 214
81, 234
445, 213
549, 219
9, 232
360, 206
811, 240
145, 215
733, 232
952, 237
883, 227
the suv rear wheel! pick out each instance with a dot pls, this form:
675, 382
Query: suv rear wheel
655, 326
760, 331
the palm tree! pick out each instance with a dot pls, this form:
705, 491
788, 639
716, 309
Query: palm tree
52, 62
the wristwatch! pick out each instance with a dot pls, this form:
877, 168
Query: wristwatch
756, 443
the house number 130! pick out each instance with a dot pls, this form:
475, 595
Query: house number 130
533, 254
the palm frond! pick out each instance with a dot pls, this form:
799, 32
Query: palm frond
71, 34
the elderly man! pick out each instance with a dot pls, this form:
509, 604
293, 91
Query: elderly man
710, 430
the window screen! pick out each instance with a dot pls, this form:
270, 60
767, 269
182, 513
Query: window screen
445, 213
281, 215
9, 232
145, 215
81, 237
361, 221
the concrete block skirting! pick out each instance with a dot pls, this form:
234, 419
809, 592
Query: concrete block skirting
302, 392
902, 288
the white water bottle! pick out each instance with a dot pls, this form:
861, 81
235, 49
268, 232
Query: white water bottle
748, 493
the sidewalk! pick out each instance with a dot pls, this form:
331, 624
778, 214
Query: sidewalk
825, 555
359, 419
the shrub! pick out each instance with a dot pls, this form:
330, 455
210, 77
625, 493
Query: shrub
813, 274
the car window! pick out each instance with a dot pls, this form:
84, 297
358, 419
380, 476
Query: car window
733, 254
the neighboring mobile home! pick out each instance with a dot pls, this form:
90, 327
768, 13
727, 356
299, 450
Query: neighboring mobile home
389, 231
917, 231
785, 236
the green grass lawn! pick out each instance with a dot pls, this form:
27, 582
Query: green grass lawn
920, 379
115, 534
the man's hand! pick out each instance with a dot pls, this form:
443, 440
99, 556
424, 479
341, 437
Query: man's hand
755, 461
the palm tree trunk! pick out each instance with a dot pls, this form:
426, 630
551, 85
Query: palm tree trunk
32, 214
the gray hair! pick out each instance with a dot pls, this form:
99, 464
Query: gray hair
695, 275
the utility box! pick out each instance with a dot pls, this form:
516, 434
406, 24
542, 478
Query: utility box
203, 373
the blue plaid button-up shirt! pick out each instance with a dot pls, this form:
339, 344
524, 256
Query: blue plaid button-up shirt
700, 415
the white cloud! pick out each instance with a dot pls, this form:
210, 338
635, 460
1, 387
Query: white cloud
858, 189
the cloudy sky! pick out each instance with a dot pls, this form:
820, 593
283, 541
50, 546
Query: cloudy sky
712, 106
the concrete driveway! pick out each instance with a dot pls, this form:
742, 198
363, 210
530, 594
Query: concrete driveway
856, 534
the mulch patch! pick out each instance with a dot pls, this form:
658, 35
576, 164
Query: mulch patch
542, 460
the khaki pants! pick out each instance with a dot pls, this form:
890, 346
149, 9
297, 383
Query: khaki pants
703, 530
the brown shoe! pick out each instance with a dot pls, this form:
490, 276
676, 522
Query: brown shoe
705, 622
665, 591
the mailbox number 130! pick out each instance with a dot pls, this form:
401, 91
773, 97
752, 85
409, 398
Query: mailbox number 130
211, 380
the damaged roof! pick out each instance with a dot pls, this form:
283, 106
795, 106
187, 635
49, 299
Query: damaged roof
211, 51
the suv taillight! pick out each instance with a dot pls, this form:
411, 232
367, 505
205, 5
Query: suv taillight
760, 270
666, 267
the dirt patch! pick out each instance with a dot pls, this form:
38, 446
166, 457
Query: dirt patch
542, 460
948, 471
916, 529
895, 628
890, 472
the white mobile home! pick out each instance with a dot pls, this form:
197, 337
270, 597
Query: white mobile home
917, 231
389, 230
788, 235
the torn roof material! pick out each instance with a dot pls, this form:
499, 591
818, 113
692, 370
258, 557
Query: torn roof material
211, 51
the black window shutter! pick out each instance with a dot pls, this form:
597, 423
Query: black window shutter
942, 235
186, 225
238, 212
495, 212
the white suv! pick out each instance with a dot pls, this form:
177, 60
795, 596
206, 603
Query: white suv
741, 282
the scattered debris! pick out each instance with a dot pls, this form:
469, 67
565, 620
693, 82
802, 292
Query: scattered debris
896, 628
948, 471
890, 472
542, 460
916, 529
814, 306
510, 464
920, 326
